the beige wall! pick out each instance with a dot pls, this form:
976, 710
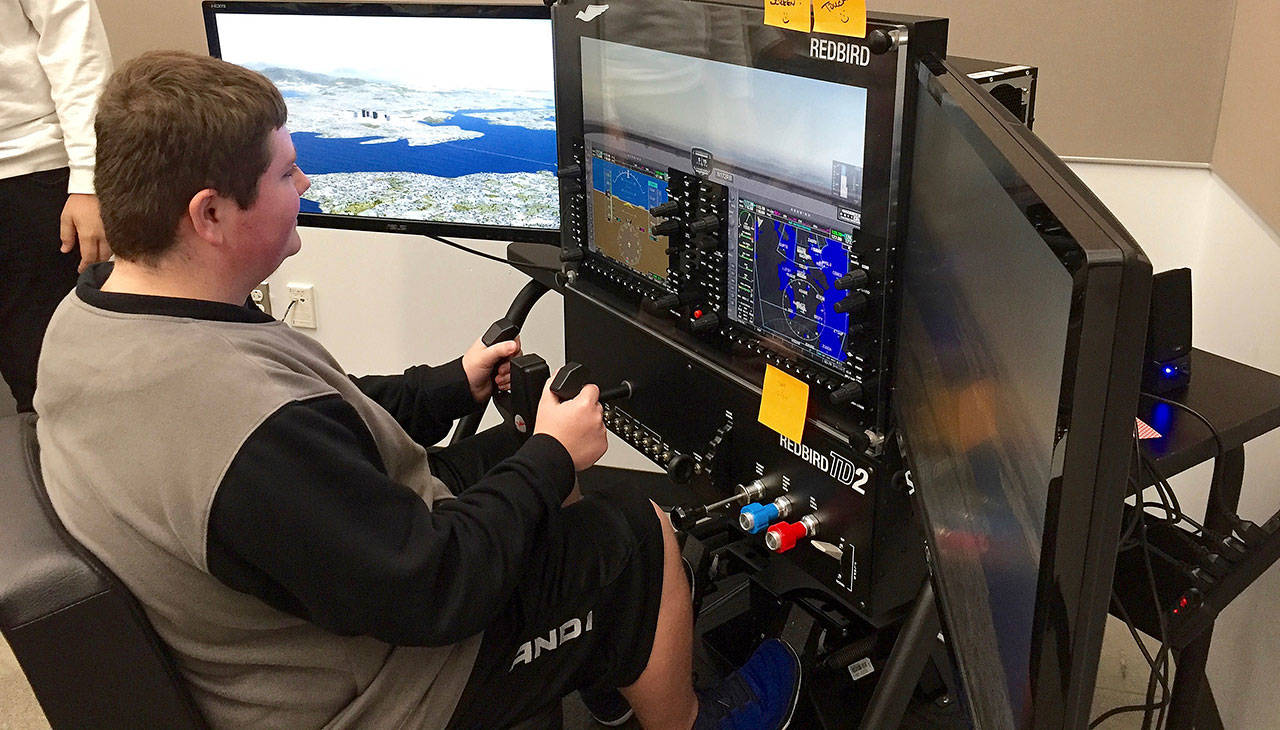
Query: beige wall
136, 26
1139, 79
1134, 79
1247, 153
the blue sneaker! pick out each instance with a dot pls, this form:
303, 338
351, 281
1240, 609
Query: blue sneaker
760, 695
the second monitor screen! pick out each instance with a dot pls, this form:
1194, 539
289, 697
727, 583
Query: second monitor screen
788, 149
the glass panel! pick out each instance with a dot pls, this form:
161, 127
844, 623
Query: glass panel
984, 333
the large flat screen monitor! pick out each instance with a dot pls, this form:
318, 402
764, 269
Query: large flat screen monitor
1021, 332
410, 118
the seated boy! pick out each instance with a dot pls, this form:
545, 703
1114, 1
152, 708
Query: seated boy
288, 535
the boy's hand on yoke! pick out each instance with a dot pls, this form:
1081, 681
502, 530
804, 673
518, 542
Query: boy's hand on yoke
486, 365
578, 424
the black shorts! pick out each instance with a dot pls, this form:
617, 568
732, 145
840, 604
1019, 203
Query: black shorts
583, 615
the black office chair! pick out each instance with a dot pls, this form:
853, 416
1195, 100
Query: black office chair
87, 648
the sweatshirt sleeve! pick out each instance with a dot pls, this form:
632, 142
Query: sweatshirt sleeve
74, 55
307, 520
425, 399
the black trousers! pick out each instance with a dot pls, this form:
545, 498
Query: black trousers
586, 608
34, 274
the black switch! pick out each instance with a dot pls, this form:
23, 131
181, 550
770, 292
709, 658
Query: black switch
706, 243
851, 304
664, 210
855, 279
703, 224
850, 392
671, 301
705, 324
680, 468
667, 227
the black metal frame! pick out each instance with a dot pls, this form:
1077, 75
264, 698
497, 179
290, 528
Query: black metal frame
1242, 403
212, 8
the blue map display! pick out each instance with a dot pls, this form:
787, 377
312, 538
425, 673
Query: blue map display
627, 185
795, 273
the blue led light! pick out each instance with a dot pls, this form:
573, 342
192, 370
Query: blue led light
1170, 370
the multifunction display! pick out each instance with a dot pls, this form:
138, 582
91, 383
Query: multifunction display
783, 273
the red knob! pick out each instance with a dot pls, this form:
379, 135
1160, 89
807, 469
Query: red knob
783, 536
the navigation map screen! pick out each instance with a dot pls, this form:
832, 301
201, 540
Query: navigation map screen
622, 192
782, 277
410, 116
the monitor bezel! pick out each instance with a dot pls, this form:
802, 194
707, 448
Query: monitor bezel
211, 8
1100, 387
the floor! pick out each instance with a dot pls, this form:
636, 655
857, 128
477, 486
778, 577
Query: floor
1122, 679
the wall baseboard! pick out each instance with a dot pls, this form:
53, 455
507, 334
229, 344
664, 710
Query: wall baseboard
1137, 163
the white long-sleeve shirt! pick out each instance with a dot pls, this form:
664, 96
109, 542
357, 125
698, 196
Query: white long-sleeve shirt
54, 61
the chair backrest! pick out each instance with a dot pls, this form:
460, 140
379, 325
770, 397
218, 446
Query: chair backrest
88, 650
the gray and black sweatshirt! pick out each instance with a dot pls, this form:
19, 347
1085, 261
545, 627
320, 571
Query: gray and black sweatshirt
277, 518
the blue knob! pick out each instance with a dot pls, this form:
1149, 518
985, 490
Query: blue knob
756, 517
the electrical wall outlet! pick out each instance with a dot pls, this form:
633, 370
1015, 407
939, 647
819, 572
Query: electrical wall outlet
302, 303
261, 296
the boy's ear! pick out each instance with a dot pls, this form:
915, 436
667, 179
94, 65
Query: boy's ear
206, 212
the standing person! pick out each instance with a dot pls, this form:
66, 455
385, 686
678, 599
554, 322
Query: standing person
53, 63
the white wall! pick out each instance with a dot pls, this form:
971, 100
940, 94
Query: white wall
1189, 217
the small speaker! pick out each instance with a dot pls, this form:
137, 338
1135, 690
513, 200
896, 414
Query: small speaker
1167, 365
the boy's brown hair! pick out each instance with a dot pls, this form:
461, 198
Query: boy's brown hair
169, 125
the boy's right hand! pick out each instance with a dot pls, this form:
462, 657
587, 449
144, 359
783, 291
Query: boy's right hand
578, 424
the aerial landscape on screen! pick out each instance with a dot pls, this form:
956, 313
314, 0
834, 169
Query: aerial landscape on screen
375, 148
413, 115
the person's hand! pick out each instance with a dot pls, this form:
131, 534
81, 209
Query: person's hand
82, 224
578, 424
479, 363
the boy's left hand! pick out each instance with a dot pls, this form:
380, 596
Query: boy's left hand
486, 365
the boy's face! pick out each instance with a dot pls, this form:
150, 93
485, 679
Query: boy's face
268, 229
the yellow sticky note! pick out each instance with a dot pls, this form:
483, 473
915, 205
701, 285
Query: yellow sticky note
790, 14
784, 403
840, 17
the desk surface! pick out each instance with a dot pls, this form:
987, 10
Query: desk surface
1242, 402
